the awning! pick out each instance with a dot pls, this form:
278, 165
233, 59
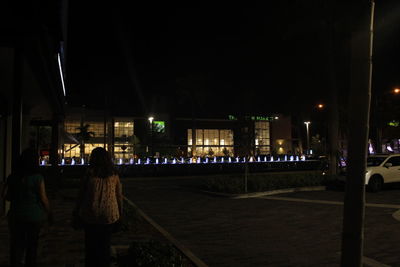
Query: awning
68, 138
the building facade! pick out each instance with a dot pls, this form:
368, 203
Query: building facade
32, 92
164, 136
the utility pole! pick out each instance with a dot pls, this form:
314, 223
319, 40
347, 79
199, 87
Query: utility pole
307, 123
151, 134
360, 97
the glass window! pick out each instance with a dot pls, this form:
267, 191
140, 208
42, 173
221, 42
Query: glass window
72, 126
90, 147
199, 150
262, 137
395, 161
189, 132
96, 127
71, 150
123, 151
211, 137
123, 129
212, 142
375, 161
123, 139
199, 137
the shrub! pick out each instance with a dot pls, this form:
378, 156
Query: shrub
234, 184
130, 219
150, 253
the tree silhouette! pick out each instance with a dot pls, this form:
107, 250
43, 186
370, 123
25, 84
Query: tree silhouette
84, 135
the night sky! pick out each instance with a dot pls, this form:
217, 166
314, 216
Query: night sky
239, 60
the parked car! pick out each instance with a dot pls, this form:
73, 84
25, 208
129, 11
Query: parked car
382, 169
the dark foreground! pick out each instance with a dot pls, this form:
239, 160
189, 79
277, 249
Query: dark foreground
261, 231
283, 230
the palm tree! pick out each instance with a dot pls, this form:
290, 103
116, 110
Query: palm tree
84, 136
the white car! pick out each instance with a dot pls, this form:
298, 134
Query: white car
382, 169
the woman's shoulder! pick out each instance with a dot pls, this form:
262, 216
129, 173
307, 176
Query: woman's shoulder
114, 178
16, 176
89, 172
36, 176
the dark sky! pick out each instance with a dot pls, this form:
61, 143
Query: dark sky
243, 60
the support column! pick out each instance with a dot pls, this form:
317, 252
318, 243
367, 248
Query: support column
53, 178
17, 107
194, 138
112, 150
105, 130
3, 160
54, 142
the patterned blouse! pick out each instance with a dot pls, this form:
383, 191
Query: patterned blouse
100, 200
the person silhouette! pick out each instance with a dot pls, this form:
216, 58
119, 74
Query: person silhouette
29, 205
99, 206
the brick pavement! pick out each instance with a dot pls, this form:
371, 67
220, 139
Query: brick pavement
226, 232
60, 245
262, 232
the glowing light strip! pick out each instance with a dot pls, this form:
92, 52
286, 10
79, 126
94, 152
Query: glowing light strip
182, 160
61, 73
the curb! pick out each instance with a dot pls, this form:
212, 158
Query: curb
396, 215
266, 193
372, 263
194, 259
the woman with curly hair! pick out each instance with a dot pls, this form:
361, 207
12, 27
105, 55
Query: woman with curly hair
99, 206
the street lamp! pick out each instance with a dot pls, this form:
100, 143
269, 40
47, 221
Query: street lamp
151, 118
307, 123
381, 104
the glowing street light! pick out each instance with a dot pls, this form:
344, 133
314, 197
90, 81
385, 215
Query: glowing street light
307, 123
151, 118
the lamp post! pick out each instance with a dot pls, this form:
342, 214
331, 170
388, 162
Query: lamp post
381, 104
307, 123
151, 118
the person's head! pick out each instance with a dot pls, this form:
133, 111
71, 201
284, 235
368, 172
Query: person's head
28, 162
100, 163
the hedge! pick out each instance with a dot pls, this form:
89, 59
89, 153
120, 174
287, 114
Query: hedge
259, 182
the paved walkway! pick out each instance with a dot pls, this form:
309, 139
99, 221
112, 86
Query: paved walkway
60, 245
264, 231
302, 229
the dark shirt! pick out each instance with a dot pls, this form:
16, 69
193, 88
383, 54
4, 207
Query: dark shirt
26, 204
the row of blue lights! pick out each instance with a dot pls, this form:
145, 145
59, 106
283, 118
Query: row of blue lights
196, 160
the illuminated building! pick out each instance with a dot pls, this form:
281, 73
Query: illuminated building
133, 137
